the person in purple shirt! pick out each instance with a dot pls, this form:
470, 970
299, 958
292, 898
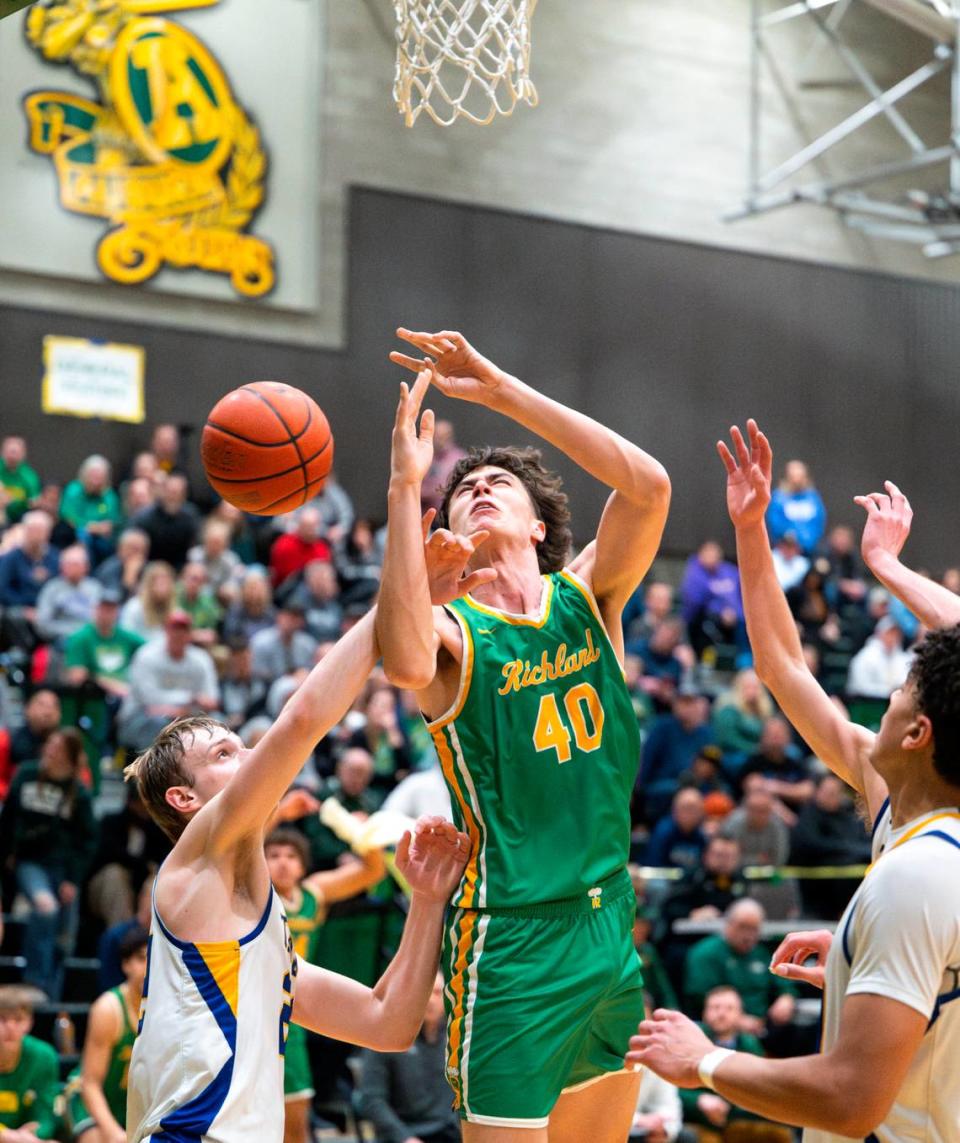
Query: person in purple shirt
710, 597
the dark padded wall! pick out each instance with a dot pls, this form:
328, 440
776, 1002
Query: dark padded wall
668, 342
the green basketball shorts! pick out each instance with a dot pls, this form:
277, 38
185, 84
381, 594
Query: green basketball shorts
539, 1000
297, 1079
78, 1118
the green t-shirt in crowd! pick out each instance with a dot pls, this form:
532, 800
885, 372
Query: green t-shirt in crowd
29, 1092
204, 610
712, 962
81, 508
21, 483
107, 655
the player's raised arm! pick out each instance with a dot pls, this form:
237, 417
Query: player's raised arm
884, 534
778, 654
635, 514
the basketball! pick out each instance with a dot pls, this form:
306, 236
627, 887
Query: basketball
267, 448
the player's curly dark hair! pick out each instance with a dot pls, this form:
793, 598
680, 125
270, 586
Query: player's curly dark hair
543, 487
935, 675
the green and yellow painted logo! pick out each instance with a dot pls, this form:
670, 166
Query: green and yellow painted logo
167, 155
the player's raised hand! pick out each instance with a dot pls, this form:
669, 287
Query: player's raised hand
749, 475
670, 1045
795, 949
461, 372
412, 451
433, 857
888, 523
447, 555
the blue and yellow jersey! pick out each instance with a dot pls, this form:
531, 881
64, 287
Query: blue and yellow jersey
540, 749
207, 1066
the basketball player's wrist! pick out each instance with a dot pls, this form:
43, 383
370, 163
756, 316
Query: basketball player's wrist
709, 1064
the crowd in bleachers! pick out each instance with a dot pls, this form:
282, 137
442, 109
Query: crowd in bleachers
130, 597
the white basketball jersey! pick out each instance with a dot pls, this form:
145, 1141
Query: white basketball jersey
900, 938
207, 1065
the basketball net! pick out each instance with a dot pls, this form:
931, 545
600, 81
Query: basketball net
468, 59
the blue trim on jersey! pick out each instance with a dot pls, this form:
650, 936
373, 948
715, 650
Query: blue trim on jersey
871, 1138
940, 834
212, 995
876, 820
185, 945
845, 944
146, 988
942, 1000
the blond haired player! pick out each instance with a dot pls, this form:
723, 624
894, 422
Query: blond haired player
223, 980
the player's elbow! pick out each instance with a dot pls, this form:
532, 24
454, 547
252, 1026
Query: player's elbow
857, 1122
411, 676
395, 1038
857, 1108
653, 489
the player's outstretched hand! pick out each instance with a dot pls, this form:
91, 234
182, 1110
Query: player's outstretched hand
670, 1045
433, 857
749, 475
796, 948
447, 555
411, 452
461, 371
887, 526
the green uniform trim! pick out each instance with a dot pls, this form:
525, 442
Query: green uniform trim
303, 922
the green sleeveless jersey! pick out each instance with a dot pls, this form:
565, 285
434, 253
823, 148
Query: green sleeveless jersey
303, 922
540, 750
115, 1081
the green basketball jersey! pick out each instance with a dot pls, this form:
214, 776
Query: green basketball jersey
540, 749
304, 921
115, 1081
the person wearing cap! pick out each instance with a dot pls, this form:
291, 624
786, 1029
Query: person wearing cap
284, 647
881, 665
168, 678
101, 651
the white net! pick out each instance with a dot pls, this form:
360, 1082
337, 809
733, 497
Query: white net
468, 59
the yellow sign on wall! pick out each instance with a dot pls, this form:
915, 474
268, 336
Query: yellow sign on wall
84, 378
166, 155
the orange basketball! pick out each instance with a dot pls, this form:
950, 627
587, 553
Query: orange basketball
267, 448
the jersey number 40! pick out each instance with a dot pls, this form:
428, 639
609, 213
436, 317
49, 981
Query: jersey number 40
581, 703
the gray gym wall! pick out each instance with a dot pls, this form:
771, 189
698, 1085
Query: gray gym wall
668, 342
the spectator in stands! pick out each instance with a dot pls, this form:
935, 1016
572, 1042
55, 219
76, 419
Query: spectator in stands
195, 598
359, 561
335, 508
19, 483
881, 665
656, 983
382, 737
647, 608
67, 601
764, 840
24, 571
705, 893
241, 695
292, 551
122, 571
131, 848
283, 648
738, 718
405, 1094
666, 660
446, 453
846, 580
710, 597
810, 604
139, 495
146, 613
705, 774
48, 835
350, 785
319, 595
165, 444
41, 717
253, 611
722, 1021
29, 1070
171, 523
828, 832
678, 841
782, 763
796, 507
48, 501
108, 947
101, 651
92, 507
223, 567
243, 537
169, 678
736, 957
659, 1114
674, 741
789, 562
98, 1111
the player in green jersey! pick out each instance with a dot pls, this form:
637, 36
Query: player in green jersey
522, 687
97, 1093
29, 1070
305, 901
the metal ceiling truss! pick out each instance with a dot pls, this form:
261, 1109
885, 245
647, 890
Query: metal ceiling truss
930, 220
